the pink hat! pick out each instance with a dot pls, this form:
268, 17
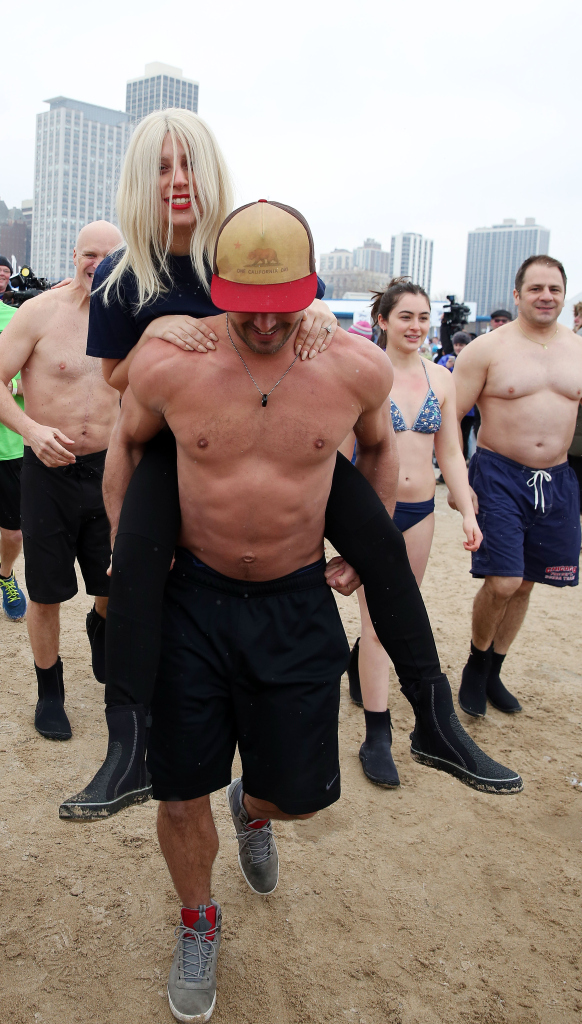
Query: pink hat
362, 328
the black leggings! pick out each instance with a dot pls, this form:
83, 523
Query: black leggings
356, 523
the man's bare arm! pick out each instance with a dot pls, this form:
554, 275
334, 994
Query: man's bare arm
17, 343
470, 374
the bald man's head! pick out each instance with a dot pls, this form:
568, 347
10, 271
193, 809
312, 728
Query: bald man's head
95, 242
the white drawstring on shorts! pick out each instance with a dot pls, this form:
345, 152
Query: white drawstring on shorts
538, 478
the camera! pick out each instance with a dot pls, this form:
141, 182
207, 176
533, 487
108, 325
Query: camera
24, 285
455, 318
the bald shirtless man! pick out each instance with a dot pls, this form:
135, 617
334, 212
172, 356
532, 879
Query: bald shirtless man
69, 412
252, 645
526, 378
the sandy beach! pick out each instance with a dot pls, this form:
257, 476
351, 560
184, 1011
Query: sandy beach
431, 904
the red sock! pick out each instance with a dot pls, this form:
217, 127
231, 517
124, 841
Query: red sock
191, 917
258, 823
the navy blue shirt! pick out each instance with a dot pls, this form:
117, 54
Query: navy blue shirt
114, 329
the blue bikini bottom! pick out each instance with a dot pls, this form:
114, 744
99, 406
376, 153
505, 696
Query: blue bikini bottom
409, 513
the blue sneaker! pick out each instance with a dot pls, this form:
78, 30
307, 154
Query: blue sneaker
13, 599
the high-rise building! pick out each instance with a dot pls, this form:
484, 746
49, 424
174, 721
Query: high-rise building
14, 235
79, 151
493, 258
161, 86
361, 270
411, 256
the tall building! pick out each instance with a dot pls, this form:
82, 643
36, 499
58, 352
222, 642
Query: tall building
14, 234
79, 150
493, 258
362, 270
161, 86
411, 256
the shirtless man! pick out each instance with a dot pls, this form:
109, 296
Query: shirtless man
252, 646
527, 380
63, 515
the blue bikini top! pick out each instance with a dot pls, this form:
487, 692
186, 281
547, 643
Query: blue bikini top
428, 420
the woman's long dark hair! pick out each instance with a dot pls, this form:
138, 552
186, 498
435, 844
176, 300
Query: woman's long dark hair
384, 302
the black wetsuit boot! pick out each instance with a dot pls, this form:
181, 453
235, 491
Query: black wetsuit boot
122, 778
50, 717
376, 752
95, 626
473, 689
439, 741
497, 694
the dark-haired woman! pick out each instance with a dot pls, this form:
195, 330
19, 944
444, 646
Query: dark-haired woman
422, 403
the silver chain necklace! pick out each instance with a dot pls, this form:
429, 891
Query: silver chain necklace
263, 396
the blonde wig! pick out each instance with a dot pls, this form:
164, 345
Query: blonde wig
147, 241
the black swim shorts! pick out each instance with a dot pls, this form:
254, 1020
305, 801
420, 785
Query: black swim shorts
258, 664
10, 493
63, 518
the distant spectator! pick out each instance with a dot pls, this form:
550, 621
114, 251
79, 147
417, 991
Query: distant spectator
362, 328
577, 328
499, 318
460, 340
5, 274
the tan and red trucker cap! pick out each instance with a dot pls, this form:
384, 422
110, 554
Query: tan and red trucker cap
263, 261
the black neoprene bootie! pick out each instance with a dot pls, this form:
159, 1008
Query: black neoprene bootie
376, 750
50, 717
354, 675
95, 626
439, 740
472, 692
497, 694
122, 778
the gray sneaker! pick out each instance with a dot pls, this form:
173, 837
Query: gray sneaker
192, 981
257, 851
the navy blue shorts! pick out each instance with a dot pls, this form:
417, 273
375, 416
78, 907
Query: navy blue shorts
530, 521
409, 513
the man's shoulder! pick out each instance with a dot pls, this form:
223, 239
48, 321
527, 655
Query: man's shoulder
354, 349
157, 364
362, 365
36, 312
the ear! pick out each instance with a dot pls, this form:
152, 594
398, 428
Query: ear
516, 296
75, 257
382, 322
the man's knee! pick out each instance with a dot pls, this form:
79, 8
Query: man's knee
502, 588
181, 813
11, 536
525, 589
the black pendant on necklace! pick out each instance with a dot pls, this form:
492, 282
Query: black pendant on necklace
264, 400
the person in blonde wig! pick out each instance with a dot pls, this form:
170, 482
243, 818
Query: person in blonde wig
175, 191
149, 237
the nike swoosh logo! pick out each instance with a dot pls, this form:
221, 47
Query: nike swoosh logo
330, 784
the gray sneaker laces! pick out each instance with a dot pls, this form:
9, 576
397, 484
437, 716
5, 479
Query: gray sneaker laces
257, 841
196, 952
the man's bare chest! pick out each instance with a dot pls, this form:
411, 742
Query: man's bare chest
512, 378
60, 354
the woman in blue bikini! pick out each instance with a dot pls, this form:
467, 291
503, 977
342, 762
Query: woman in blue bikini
423, 412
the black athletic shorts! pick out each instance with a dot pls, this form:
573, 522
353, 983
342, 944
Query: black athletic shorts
63, 518
258, 664
10, 493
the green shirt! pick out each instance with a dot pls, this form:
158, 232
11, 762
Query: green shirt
11, 444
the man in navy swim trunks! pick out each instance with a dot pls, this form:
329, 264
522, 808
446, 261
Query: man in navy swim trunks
526, 378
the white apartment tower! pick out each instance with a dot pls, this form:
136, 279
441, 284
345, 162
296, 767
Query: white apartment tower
79, 151
161, 86
411, 256
493, 258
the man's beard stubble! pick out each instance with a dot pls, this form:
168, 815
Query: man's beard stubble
259, 350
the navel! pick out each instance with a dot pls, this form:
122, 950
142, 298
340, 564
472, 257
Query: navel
249, 558
202, 443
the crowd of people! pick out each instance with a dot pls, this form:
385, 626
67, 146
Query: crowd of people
147, 438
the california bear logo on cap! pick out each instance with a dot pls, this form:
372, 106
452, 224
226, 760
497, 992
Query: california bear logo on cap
263, 261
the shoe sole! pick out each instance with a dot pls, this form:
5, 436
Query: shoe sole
189, 1018
93, 812
499, 786
256, 891
54, 735
20, 618
378, 782
473, 714
505, 711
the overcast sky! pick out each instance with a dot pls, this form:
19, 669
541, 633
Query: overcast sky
371, 117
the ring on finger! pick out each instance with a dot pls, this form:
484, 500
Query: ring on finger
330, 328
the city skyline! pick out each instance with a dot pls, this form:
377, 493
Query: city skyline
493, 257
442, 160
